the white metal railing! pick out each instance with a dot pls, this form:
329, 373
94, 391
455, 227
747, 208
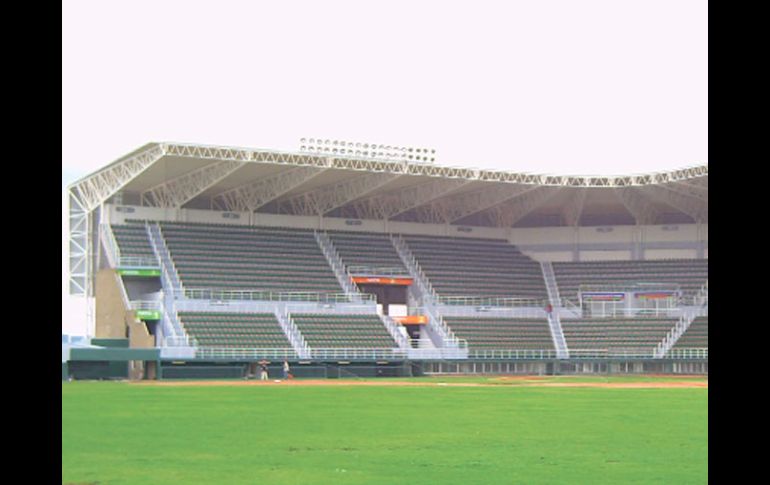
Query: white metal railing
551, 286
688, 353
292, 332
342, 354
437, 323
164, 256
226, 353
303, 296
110, 244
394, 329
334, 260
681, 326
570, 307
486, 301
361, 270
625, 312
137, 262
424, 286
489, 311
557, 335
122, 289
146, 305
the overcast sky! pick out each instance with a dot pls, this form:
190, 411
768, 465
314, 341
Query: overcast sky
565, 87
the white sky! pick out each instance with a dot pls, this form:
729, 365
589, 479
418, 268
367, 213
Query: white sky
566, 87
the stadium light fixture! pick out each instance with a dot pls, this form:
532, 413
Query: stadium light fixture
373, 151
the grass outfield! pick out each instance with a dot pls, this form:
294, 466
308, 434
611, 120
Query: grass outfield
122, 433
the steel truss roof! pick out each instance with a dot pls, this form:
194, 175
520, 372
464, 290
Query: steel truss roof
304, 183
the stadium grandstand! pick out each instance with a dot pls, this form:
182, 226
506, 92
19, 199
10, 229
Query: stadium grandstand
201, 261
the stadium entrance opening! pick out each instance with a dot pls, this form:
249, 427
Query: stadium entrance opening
391, 299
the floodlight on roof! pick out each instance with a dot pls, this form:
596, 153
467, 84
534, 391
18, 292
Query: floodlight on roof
369, 150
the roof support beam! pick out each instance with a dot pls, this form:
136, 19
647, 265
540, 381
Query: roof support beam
510, 212
252, 196
95, 189
639, 205
395, 203
328, 198
450, 209
683, 188
574, 210
176, 192
696, 208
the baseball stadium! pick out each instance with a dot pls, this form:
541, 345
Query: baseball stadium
355, 312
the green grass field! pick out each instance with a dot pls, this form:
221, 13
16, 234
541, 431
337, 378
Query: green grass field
121, 433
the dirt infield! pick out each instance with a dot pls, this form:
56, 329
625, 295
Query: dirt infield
514, 381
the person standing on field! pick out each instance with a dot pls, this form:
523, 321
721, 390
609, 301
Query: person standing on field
263, 371
285, 369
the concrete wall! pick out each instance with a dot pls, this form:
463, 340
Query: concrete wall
110, 310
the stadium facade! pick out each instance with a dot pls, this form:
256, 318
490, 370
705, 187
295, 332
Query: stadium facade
201, 261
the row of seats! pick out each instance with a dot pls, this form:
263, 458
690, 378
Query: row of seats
696, 335
343, 331
246, 330
477, 267
502, 333
132, 241
689, 274
248, 258
616, 334
366, 249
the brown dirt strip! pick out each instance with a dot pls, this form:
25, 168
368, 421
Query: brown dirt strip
384, 383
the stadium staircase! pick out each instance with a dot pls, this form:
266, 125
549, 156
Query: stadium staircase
292, 333
688, 316
426, 296
554, 318
333, 257
174, 332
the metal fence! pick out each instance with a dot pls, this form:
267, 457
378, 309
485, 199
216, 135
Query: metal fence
481, 301
249, 295
358, 270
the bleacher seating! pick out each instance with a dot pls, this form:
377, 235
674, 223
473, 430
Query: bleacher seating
696, 335
235, 330
690, 274
132, 241
502, 333
248, 258
477, 267
343, 331
616, 334
366, 249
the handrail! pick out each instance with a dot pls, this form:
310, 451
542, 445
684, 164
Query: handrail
113, 250
362, 270
491, 301
306, 296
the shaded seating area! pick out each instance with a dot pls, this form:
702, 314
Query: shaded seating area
343, 331
689, 274
477, 267
132, 240
616, 334
366, 249
235, 330
502, 333
248, 258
